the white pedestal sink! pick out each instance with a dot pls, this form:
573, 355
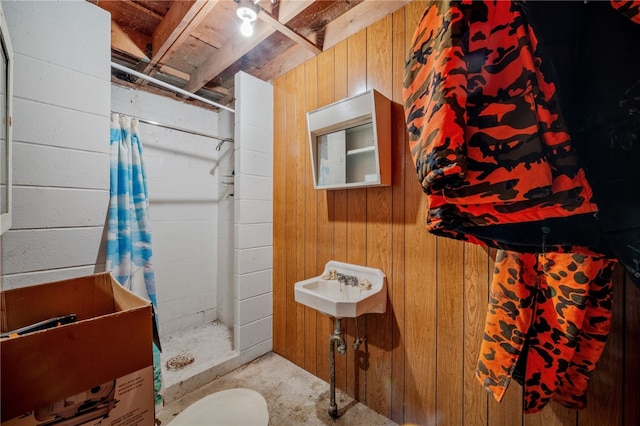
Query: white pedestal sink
344, 300
343, 291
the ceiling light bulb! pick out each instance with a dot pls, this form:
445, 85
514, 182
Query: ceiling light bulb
246, 13
248, 9
246, 28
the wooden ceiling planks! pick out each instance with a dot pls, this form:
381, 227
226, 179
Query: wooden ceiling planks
196, 44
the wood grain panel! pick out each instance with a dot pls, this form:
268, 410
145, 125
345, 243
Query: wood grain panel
553, 415
310, 216
357, 361
420, 315
509, 410
378, 373
291, 148
300, 201
357, 63
631, 340
326, 229
605, 397
397, 281
477, 267
379, 77
340, 208
379, 55
420, 287
279, 211
449, 331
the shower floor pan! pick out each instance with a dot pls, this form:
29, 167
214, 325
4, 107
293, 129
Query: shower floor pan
211, 348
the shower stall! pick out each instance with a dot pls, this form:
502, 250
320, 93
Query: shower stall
210, 188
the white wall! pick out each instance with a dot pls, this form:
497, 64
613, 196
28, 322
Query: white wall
253, 211
61, 141
226, 217
182, 176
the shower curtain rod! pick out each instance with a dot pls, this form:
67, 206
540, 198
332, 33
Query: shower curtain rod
180, 129
168, 86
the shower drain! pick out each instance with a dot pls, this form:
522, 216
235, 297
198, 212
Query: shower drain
179, 361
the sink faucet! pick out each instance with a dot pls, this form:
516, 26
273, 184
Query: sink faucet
351, 280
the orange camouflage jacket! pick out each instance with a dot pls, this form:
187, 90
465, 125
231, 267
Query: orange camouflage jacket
487, 137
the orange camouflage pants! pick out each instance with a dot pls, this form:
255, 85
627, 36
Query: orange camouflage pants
548, 319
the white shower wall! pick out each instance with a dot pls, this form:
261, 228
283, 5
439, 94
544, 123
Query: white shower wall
61, 141
253, 216
183, 173
226, 167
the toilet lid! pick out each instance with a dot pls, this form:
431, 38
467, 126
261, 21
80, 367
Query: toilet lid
232, 407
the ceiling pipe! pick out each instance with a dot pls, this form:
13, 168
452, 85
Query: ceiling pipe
169, 86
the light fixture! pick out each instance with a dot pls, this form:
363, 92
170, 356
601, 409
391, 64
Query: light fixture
248, 12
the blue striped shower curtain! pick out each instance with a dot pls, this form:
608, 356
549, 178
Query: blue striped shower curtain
129, 234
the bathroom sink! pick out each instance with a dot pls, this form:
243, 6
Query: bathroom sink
340, 299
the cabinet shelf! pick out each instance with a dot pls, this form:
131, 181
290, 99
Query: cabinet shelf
350, 142
361, 150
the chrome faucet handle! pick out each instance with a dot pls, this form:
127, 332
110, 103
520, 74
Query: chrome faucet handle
332, 275
351, 280
365, 284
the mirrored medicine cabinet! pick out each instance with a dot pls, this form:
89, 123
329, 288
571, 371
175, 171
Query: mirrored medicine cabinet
350, 142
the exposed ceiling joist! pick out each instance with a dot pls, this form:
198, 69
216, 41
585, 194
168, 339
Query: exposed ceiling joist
238, 47
124, 43
278, 26
183, 17
196, 45
358, 18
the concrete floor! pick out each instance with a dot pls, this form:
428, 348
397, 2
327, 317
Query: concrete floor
294, 396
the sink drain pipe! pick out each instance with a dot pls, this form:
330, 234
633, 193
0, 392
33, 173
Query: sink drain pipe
336, 341
336, 338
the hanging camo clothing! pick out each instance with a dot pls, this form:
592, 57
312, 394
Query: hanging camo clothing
490, 146
629, 8
597, 73
547, 323
495, 157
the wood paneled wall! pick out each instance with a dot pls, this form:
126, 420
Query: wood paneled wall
417, 365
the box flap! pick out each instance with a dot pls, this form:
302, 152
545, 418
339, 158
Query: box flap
87, 297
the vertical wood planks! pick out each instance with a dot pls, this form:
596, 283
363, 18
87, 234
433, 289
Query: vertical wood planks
420, 287
291, 148
477, 270
631, 339
378, 229
605, 398
279, 277
299, 219
449, 331
553, 415
397, 278
326, 205
311, 215
509, 410
340, 207
356, 220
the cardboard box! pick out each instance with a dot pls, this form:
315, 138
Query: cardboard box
110, 342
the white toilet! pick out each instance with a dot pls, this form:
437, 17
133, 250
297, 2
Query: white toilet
231, 407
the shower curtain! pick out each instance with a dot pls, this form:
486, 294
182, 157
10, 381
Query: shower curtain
129, 234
